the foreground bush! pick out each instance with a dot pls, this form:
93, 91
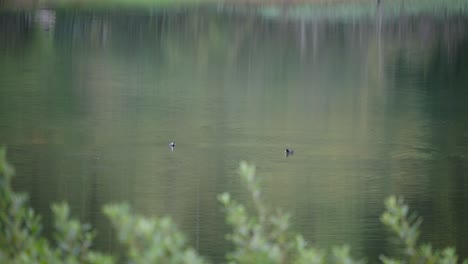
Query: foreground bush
262, 237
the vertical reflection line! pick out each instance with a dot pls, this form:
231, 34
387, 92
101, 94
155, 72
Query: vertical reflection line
197, 216
302, 38
379, 37
314, 39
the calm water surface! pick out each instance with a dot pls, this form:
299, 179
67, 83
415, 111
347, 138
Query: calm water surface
89, 101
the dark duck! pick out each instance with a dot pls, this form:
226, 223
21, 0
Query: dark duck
289, 152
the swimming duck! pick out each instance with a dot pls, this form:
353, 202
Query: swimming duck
172, 146
289, 152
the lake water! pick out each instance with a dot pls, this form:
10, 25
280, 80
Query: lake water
90, 100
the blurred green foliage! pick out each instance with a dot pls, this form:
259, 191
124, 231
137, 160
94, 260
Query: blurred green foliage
405, 226
21, 240
263, 236
150, 240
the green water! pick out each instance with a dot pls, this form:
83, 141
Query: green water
90, 100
